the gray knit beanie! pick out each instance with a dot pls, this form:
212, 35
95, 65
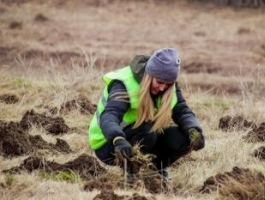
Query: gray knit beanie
164, 65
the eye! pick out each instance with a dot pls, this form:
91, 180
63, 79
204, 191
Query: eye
159, 82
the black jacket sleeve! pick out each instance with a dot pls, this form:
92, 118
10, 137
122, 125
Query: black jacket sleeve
112, 115
183, 116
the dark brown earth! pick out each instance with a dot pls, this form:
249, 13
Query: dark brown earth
229, 123
257, 134
260, 153
54, 126
9, 98
85, 166
239, 184
110, 195
88, 168
16, 141
44, 36
154, 184
81, 103
98, 184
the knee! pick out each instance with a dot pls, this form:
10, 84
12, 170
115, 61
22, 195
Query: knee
146, 141
106, 154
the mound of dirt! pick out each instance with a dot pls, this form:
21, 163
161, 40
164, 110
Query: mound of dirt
260, 153
9, 98
81, 103
257, 134
62, 146
41, 18
54, 126
16, 141
238, 184
153, 182
33, 163
98, 185
85, 166
240, 3
228, 123
15, 25
109, 194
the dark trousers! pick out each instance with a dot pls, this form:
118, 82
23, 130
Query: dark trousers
167, 147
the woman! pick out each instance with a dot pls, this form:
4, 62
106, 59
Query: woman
138, 105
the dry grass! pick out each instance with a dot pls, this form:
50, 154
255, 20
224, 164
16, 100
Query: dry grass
51, 62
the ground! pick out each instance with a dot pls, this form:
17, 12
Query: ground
52, 57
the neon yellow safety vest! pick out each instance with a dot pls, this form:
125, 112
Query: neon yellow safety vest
96, 137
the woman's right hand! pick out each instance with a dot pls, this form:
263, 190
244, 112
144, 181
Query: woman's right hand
123, 148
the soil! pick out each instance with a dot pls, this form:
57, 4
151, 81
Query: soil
257, 134
85, 166
81, 103
16, 141
41, 37
98, 184
154, 184
229, 123
54, 126
9, 98
260, 153
109, 194
241, 176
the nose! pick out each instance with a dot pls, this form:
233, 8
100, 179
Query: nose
162, 87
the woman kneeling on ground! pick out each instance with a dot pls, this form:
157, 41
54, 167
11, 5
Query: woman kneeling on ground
137, 106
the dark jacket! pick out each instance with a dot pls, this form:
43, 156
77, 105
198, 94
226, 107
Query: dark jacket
111, 117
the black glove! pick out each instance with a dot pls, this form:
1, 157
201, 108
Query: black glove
196, 139
123, 148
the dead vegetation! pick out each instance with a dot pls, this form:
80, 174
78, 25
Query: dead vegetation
52, 56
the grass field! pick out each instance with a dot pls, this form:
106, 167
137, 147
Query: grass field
52, 57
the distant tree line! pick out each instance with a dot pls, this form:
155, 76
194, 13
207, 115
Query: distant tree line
239, 3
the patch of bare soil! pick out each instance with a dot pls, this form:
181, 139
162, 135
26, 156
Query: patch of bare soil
260, 153
16, 141
54, 126
41, 18
238, 184
85, 166
145, 177
154, 184
257, 134
98, 185
15, 25
109, 194
81, 103
9, 98
229, 123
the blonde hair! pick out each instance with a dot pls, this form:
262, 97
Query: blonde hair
146, 111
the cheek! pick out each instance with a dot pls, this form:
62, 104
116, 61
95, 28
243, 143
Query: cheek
153, 86
151, 89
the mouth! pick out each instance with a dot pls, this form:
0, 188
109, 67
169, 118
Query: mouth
154, 91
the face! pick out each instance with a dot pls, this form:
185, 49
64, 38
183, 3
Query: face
158, 86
